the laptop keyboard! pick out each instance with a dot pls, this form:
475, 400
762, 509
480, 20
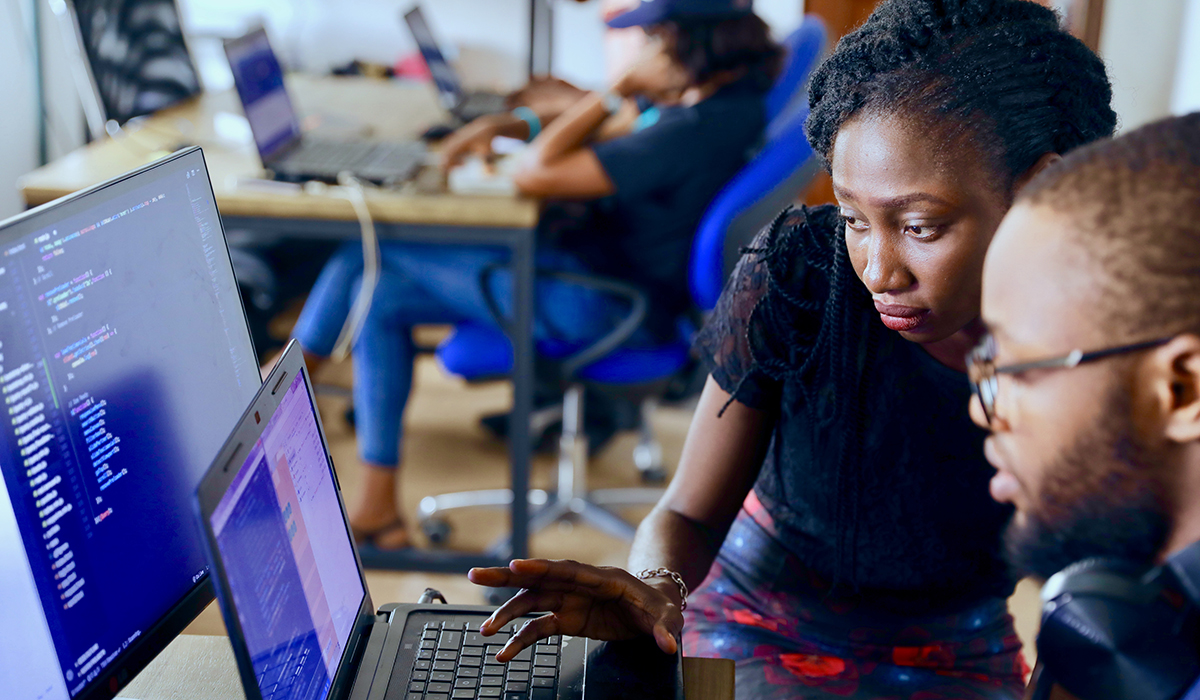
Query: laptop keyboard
455, 662
361, 157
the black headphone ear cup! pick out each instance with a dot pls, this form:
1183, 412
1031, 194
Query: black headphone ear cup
1107, 634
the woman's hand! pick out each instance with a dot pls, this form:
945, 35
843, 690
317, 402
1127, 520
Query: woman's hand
599, 602
547, 96
475, 139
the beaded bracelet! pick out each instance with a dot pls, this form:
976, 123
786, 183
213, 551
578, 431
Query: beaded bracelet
662, 572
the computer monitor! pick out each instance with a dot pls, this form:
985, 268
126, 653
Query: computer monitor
134, 57
258, 78
125, 360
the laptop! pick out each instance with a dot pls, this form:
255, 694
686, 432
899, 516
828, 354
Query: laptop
467, 106
125, 360
285, 151
296, 604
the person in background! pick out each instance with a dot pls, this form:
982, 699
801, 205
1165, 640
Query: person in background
636, 193
1089, 377
832, 496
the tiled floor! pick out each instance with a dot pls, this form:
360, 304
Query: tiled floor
445, 449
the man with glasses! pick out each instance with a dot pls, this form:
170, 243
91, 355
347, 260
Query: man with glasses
1089, 378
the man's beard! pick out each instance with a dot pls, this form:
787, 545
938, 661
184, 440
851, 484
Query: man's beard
1104, 496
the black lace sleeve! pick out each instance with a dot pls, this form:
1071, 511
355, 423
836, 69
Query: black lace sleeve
769, 316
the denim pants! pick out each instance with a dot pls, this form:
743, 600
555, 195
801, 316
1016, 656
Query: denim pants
422, 284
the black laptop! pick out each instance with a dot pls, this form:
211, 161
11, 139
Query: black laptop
288, 153
467, 106
296, 605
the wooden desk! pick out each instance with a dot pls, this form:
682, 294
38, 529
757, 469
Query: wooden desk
202, 668
419, 211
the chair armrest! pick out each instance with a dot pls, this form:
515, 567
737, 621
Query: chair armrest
605, 345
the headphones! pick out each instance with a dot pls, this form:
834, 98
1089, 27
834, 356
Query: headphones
1114, 630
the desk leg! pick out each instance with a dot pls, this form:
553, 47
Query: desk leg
522, 379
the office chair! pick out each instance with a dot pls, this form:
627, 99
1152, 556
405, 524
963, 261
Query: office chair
748, 202
801, 50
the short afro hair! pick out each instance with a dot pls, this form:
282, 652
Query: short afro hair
1002, 72
1134, 206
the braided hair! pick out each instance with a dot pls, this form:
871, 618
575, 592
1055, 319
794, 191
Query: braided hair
1001, 72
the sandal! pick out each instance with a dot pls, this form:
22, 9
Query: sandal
384, 538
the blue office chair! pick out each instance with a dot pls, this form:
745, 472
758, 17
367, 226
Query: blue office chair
802, 48
475, 351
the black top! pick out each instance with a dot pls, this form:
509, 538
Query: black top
665, 176
875, 475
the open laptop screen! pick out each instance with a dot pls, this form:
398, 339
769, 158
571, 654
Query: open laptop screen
288, 560
444, 77
258, 78
124, 362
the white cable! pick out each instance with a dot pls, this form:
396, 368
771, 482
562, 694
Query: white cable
352, 188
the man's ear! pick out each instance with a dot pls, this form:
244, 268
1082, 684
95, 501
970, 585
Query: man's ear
1177, 387
1044, 162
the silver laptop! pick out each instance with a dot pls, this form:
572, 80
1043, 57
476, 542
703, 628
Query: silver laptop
296, 604
462, 104
284, 150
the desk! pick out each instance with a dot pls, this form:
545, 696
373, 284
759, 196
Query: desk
202, 668
420, 211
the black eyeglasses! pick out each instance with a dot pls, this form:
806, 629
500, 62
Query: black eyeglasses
983, 372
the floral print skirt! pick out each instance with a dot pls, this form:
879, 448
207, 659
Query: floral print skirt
791, 638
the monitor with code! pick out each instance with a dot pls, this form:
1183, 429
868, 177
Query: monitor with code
125, 360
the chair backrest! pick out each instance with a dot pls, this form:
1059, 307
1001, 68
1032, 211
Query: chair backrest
130, 57
801, 48
749, 201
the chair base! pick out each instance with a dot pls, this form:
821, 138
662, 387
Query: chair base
571, 501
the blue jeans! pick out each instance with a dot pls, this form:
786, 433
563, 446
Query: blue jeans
421, 284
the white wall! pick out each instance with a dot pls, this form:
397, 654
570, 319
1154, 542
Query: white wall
1186, 97
1140, 42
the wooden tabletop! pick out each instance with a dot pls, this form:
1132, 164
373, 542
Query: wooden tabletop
329, 106
196, 667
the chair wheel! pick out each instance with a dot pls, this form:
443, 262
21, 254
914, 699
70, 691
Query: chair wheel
654, 476
437, 530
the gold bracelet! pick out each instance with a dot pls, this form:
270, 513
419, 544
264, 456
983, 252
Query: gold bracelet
662, 572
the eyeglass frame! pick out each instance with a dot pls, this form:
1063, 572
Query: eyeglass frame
982, 377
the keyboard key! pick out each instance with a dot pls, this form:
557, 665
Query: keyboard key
542, 694
442, 677
428, 644
463, 694
416, 687
422, 665
525, 654
518, 665
491, 681
438, 688
443, 665
491, 692
413, 696
475, 661
511, 687
437, 696
545, 660
468, 672
450, 640
425, 654
466, 683
516, 696
545, 649
543, 682
432, 625
446, 655
493, 670
474, 639
543, 672
493, 649
553, 639
471, 651
419, 676
518, 676
429, 634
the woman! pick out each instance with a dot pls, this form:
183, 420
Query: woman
832, 494
636, 199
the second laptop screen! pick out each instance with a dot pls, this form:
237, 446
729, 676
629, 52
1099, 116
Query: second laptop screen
287, 556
